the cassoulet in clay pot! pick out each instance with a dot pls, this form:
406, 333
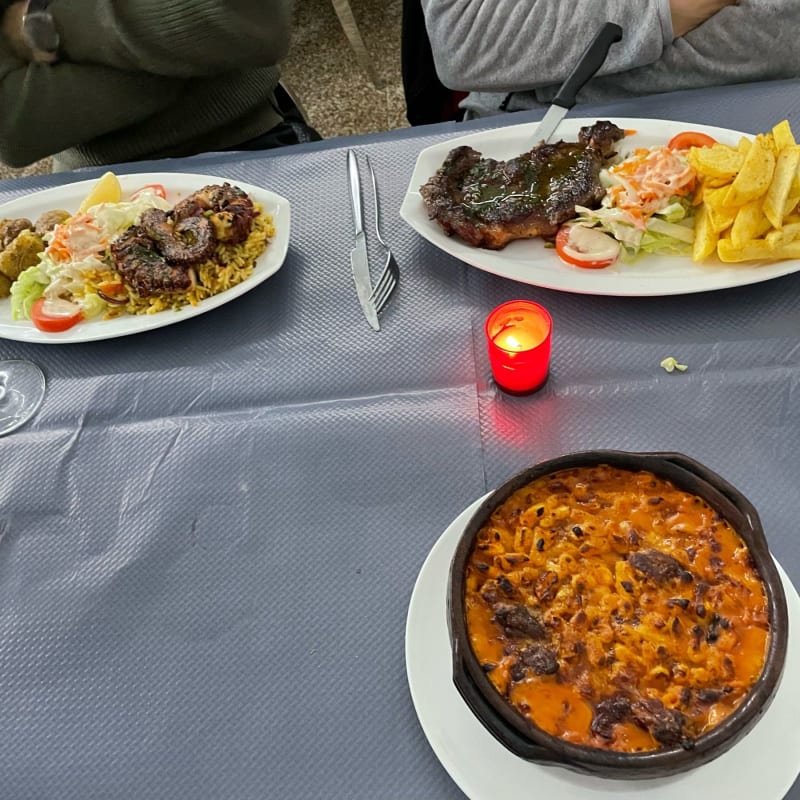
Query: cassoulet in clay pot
630, 621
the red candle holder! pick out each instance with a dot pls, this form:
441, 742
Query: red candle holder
518, 334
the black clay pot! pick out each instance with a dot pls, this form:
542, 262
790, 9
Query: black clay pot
530, 742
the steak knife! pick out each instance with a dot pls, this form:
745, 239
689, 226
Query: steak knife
591, 61
358, 255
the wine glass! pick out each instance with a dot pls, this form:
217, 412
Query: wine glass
21, 393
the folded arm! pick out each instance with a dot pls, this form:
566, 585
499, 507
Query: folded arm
185, 38
46, 109
755, 40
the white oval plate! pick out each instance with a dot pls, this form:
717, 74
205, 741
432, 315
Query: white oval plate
178, 185
763, 764
529, 261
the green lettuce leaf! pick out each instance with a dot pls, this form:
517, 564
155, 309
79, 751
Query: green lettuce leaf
26, 290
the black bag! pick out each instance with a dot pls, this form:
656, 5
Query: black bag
427, 99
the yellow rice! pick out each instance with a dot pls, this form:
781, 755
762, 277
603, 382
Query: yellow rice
231, 265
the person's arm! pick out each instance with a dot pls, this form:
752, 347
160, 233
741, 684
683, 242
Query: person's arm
753, 41
512, 45
690, 14
45, 109
184, 38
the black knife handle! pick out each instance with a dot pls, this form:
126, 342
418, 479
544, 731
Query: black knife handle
591, 61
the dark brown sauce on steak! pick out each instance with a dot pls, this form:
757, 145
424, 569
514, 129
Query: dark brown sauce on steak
522, 184
489, 203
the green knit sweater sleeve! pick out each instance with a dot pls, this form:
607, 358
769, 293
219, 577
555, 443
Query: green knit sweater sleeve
184, 38
46, 108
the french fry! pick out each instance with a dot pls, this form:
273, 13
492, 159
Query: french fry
705, 237
788, 234
783, 136
766, 141
776, 200
720, 217
755, 176
790, 250
750, 223
756, 250
718, 161
748, 198
717, 183
794, 192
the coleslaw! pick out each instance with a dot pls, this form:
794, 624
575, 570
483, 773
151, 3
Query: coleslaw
74, 254
648, 206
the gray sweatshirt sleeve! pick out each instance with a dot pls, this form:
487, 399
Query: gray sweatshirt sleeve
753, 41
513, 45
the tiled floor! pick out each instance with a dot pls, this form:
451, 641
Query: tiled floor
323, 72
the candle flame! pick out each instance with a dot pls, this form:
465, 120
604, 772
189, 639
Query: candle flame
517, 338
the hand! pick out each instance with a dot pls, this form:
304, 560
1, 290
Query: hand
688, 14
11, 28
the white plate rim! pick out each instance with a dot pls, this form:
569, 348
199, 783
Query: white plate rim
465, 748
177, 184
531, 263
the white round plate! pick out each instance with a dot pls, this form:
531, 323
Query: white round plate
529, 261
178, 185
763, 764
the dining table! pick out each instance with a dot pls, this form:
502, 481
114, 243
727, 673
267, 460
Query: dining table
224, 542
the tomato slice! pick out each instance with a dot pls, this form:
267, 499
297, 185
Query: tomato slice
586, 247
54, 316
156, 188
687, 139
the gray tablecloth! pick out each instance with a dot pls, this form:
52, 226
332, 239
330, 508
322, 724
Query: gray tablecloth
209, 534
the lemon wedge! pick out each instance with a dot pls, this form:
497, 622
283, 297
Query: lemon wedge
106, 190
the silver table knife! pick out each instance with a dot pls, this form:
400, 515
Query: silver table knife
591, 61
358, 255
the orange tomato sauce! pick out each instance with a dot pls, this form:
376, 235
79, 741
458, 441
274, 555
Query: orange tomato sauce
614, 610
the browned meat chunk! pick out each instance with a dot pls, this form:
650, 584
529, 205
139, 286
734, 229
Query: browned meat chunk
542, 660
49, 219
11, 228
144, 269
233, 224
658, 565
608, 713
188, 241
519, 622
228, 208
710, 695
664, 724
489, 203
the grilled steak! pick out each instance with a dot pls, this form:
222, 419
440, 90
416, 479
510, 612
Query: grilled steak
489, 203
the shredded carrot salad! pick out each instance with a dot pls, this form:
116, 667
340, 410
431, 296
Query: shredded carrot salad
648, 181
76, 239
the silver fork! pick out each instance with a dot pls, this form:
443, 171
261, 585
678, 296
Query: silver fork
389, 278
